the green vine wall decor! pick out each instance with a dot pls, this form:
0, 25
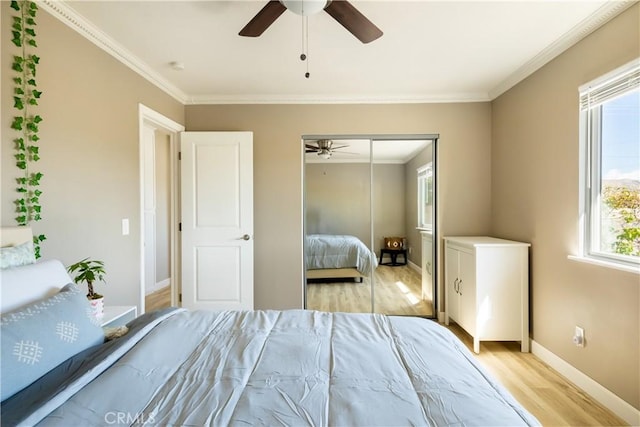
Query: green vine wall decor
26, 123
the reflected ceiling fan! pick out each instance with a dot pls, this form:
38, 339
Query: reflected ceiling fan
324, 148
341, 10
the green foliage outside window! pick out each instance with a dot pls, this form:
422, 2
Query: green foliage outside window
625, 209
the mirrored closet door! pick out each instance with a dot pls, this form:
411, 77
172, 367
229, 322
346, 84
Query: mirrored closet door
370, 211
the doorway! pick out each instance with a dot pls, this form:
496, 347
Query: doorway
364, 194
159, 208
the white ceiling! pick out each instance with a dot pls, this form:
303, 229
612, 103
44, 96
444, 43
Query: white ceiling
431, 51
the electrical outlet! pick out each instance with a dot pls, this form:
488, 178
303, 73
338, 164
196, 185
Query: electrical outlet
578, 337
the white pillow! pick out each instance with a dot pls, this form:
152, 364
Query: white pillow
15, 256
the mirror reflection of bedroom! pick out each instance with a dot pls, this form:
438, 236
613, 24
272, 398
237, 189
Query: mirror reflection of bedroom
369, 216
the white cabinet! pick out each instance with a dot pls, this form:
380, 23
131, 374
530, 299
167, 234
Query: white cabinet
427, 265
487, 288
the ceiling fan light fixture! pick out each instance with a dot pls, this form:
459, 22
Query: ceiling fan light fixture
305, 7
325, 154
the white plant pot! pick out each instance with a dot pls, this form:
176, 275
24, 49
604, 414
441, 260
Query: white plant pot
97, 307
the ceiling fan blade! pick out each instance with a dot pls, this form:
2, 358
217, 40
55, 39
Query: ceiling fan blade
336, 147
354, 21
263, 19
311, 147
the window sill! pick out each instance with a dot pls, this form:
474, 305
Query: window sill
608, 264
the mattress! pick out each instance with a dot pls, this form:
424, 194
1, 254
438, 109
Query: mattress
293, 367
325, 251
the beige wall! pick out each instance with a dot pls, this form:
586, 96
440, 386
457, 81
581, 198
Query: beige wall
388, 203
338, 199
89, 151
163, 206
535, 199
465, 160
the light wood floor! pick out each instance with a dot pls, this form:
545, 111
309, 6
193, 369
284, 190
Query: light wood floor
158, 299
547, 395
398, 291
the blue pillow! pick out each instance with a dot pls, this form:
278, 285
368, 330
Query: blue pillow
40, 336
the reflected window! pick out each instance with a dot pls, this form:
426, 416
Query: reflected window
425, 196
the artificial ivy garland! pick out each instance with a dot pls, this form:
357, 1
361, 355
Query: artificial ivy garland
25, 96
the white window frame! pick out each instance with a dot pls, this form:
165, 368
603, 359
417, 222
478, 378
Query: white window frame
593, 95
424, 173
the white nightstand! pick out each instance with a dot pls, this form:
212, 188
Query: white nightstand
118, 315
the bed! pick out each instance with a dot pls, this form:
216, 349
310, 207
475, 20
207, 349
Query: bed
330, 256
290, 367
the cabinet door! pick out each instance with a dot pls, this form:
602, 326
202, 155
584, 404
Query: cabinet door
451, 280
467, 291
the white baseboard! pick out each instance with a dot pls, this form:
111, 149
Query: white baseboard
415, 267
588, 385
159, 285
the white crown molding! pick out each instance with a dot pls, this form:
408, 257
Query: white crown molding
89, 31
588, 25
337, 99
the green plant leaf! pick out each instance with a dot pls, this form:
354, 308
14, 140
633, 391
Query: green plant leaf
30, 21
17, 67
21, 220
21, 165
32, 101
33, 6
36, 93
17, 25
34, 137
21, 180
19, 91
32, 42
15, 5
17, 42
21, 190
41, 237
17, 80
31, 13
17, 103
37, 119
35, 158
35, 59
30, 31
17, 123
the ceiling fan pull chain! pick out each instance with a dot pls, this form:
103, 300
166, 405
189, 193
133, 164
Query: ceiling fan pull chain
306, 21
305, 43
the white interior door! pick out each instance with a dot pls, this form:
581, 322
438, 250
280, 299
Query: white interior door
217, 220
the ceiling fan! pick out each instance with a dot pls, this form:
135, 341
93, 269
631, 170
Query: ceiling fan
341, 10
324, 148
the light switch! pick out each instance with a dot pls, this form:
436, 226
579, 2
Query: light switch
125, 227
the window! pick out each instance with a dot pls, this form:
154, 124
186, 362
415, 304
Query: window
610, 140
425, 196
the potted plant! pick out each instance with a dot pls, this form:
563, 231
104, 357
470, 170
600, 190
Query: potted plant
90, 270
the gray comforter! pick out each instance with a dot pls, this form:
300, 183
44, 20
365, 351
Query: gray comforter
278, 368
338, 251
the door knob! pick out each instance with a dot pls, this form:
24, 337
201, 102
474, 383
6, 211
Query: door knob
246, 237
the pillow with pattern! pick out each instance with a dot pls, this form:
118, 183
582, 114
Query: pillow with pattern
38, 337
15, 256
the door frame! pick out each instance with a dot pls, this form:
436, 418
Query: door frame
150, 118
